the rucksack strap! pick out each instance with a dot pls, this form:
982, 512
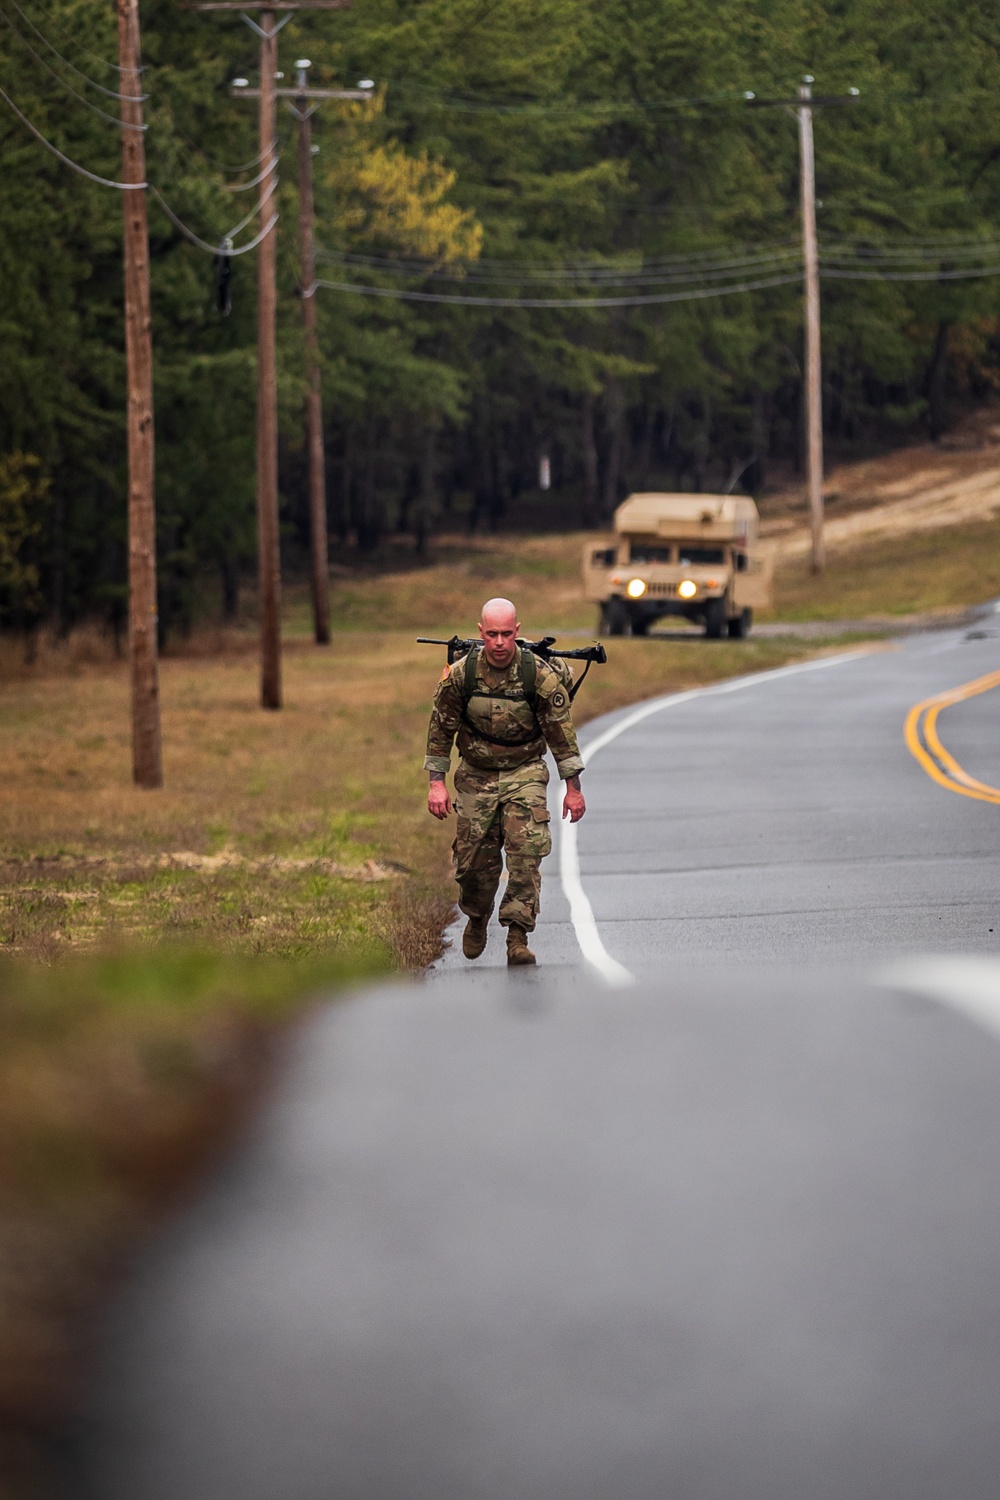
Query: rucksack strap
469, 676
529, 674
529, 677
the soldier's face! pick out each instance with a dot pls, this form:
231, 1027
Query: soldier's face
499, 637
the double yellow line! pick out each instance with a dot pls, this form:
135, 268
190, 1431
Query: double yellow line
923, 742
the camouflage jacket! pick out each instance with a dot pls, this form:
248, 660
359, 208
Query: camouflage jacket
498, 706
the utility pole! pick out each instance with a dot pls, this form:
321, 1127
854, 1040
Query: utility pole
318, 541
268, 536
147, 758
813, 370
319, 553
803, 106
303, 102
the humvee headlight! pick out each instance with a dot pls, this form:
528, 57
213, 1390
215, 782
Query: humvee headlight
687, 589
635, 588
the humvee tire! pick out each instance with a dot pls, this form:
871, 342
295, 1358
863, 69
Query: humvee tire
617, 616
739, 626
715, 618
641, 624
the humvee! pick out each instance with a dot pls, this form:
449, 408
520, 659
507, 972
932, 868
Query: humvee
696, 556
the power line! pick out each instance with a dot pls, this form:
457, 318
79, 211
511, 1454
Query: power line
663, 268
222, 166
583, 108
399, 294
132, 186
264, 198
68, 161
467, 104
864, 254
242, 187
695, 272
95, 108
195, 239
111, 93
832, 274
112, 67
942, 239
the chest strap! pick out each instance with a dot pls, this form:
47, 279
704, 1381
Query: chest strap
529, 676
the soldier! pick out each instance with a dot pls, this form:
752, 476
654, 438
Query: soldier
505, 705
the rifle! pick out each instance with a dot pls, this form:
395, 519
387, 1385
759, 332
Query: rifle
544, 648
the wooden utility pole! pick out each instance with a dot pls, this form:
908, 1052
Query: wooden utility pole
147, 759
803, 106
813, 369
318, 540
303, 101
268, 536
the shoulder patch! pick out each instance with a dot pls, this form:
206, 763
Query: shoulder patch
559, 698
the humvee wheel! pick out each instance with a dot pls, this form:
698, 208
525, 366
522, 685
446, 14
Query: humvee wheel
739, 626
641, 624
617, 616
715, 618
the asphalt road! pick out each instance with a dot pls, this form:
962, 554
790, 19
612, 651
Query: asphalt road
712, 1213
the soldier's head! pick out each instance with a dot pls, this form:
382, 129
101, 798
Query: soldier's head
499, 628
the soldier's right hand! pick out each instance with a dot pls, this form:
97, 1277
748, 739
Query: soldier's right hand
438, 801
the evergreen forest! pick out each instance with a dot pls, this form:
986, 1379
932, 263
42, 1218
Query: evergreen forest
559, 228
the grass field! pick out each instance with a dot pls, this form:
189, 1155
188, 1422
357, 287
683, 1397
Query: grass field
917, 572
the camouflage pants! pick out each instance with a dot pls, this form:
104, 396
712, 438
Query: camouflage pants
501, 813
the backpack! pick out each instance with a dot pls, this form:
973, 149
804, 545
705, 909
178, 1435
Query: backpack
529, 677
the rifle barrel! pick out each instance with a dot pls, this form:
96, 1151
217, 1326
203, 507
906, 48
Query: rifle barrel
594, 653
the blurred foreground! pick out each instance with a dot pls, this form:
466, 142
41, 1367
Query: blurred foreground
735, 1234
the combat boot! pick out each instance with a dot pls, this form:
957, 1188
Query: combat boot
518, 951
474, 936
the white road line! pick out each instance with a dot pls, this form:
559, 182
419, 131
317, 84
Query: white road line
582, 916
969, 985
580, 909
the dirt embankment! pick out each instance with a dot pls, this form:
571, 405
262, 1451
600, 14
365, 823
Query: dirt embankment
924, 488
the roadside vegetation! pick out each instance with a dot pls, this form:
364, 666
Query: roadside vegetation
914, 572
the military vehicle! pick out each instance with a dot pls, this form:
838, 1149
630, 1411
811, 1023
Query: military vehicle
696, 556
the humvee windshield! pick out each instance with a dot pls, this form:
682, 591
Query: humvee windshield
642, 553
691, 556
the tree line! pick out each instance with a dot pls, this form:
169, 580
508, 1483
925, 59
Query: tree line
517, 152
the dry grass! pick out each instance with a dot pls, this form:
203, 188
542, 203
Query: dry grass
921, 572
298, 796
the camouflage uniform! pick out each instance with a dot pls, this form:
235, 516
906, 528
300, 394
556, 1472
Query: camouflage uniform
500, 790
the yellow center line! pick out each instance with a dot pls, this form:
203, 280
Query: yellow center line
924, 743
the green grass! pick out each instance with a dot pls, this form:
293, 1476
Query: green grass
922, 571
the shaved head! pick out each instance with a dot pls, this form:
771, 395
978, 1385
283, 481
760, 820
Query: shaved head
500, 613
498, 627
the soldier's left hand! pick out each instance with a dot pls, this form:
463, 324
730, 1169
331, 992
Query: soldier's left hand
574, 805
